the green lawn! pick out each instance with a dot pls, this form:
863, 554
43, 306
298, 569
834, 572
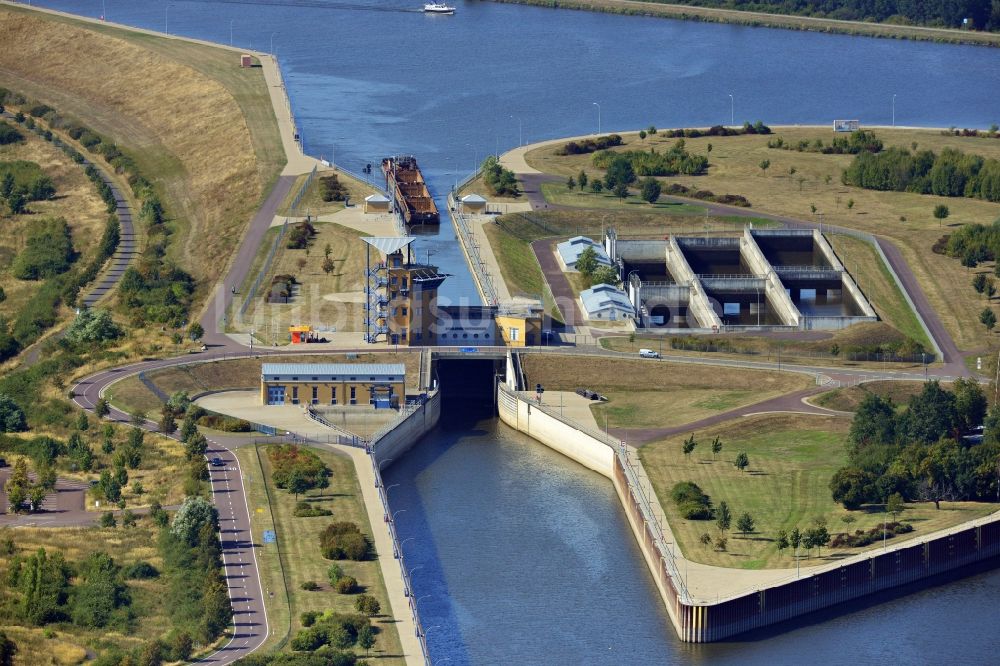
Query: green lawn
792, 458
297, 549
865, 265
518, 265
560, 194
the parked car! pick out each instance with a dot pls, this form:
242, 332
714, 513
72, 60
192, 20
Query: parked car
649, 353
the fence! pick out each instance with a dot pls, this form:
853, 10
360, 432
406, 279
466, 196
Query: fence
398, 551
472, 250
643, 497
265, 268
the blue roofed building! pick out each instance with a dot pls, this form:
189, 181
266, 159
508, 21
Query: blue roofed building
569, 251
607, 303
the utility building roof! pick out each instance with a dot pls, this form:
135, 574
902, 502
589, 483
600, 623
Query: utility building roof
473, 199
332, 372
388, 244
377, 198
606, 302
569, 251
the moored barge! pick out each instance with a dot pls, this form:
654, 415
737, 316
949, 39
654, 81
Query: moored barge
408, 190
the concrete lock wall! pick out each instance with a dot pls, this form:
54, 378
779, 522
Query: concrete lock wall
698, 303
849, 285
774, 289
406, 433
702, 622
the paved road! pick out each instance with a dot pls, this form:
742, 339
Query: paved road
558, 283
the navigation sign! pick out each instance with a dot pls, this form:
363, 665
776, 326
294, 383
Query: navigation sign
270, 536
468, 350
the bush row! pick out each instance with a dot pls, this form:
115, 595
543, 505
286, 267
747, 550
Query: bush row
224, 423
344, 541
859, 141
590, 145
719, 130
677, 189
862, 538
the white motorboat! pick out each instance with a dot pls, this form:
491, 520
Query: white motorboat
438, 8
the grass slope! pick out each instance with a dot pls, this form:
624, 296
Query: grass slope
192, 118
649, 394
792, 458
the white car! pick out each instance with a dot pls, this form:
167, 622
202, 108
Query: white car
648, 353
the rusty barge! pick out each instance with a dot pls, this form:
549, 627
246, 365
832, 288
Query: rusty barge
409, 192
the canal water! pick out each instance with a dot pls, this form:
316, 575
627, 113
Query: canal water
518, 554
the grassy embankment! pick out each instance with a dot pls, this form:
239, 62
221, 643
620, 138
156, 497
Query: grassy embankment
788, 350
76, 200
295, 558
331, 300
848, 398
71, 644
762, 19
244, 373
189, 115
792, 458
649, 394
905, 218
312, 202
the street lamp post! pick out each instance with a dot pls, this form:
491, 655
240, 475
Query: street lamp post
396, 513
272, 43
598, 116
732, 110
383, 462
166, 19
520, 138
230, 32
475, 157
893, 110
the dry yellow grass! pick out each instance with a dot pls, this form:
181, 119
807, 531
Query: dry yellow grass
735, 170
334, 300
76, 200
126, 546
647, 394
792, 458
186, 129
312, 202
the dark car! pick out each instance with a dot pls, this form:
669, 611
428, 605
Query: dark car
218, 462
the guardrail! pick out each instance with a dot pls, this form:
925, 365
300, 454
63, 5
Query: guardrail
404, 572
345, 438
468, 240
642, 497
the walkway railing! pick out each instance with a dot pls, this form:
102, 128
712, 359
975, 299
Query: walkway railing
478, 265
643, 497
407, 582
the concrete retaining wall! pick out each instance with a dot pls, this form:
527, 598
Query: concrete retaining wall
850, 286
519, 414
698, 303
775, 289
405, 434
704, 622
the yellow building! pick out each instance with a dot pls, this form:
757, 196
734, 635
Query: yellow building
381, 385
520, 329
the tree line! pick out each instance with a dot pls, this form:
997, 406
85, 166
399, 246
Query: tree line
982, 14
951, 173
676, 160
921, 453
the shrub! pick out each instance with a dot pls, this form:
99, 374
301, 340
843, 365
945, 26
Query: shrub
300, 235
224, 423
308, 618
334, 573
141, 570
590, 145
48, 251
289, 460
9, 134
344, 541
347, 585
676, 160
691, 500
11, 416
306, 510
309, 585
862, 538
331, 189
367, 605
